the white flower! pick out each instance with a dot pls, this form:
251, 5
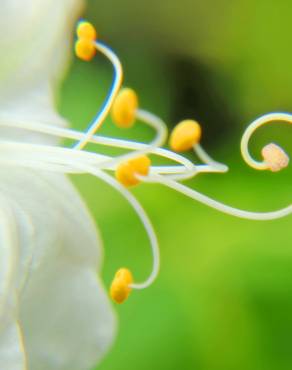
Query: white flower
55, 314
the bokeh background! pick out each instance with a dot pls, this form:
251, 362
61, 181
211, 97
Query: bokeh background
223, 300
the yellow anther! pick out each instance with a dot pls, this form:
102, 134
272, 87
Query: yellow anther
85, 30
120, 287
85, 49
124, 108
127, 171
185, 135
275, 157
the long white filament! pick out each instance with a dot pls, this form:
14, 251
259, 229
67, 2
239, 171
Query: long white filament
68, 159
138, 148
205, 158
191, 193
144, 219
118, 77
161, 134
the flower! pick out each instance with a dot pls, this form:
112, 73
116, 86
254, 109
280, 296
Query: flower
54, 309
54, 312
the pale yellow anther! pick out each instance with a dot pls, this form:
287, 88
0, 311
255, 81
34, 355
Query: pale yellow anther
85, 30
127, 171
185, 135
85, 49
120, 287
275, 157
124, 108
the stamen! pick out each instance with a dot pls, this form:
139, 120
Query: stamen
144, 219
138, 148
185, 135
135, 165
218, 205
85, 30
205, 158
161, 134
127, 172
124, 108
84, 46
72, 159
121, 285
20, 152
85, 49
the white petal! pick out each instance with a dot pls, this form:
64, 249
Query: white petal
12, 355
67, 319
9, 252
61, 222
36, 42
66, 315
34, 39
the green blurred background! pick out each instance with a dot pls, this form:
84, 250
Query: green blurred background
223, 300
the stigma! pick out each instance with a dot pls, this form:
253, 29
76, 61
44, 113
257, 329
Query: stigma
275, 157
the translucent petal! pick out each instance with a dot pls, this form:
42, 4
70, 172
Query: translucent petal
12, 355
9, 252
59, 217
66, 315
71, 323
34, 40
36, 43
